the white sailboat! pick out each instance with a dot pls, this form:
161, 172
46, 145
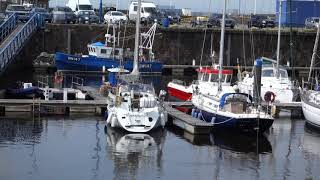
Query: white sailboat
275, 80
220, 105
310, 94
135, 106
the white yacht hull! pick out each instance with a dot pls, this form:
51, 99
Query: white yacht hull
311, 114
142, 121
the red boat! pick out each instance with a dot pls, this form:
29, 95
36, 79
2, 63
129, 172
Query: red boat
182, 92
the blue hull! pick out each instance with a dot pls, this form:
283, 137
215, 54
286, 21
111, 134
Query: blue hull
92, 63
239, 124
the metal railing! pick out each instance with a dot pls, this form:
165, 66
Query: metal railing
11, 49
8, 26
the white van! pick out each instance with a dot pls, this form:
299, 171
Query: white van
80, 5
147, 9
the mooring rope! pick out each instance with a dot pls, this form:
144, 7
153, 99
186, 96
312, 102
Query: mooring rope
218, 122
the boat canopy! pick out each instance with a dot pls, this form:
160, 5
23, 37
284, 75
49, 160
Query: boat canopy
227, 95
97, 44
210, 70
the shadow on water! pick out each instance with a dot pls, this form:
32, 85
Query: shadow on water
133, 151
233, 141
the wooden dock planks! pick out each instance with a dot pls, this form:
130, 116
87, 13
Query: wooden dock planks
187, 122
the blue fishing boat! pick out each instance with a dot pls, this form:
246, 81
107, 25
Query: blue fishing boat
109, 54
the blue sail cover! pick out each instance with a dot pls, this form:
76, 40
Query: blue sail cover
97, 44
224, 97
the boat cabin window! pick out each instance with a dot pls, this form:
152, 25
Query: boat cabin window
103, 51
205, 77
267, 73
227, 78
116, 52
214, 78
283, 73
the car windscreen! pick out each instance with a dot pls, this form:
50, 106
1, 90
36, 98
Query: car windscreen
85, 7
117, 14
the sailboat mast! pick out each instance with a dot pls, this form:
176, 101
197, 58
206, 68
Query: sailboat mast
279, 36
137, 40
314, 54
222, 42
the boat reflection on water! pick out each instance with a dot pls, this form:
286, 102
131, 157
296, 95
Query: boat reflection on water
310, 140
236, 142
131, 152
242, 142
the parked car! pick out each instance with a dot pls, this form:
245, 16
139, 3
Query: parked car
156, 16
312, 22
261, 22
115, 17
87, 17
44, 12
63, 15
229, 22
23, 13
213, 21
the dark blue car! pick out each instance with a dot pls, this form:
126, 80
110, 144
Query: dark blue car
44, 12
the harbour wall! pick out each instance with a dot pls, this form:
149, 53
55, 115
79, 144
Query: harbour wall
182, 45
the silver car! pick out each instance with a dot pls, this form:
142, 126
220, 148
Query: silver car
63, 15
312, 22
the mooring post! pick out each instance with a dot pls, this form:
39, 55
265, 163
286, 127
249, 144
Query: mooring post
257, 82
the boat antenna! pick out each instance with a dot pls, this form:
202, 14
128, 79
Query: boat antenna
279, 36
135, 70
314, 54
222, 43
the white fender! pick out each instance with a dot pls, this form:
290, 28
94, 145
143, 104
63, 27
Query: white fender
109, 118
113, 121
163, 119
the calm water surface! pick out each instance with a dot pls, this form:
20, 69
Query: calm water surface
79, 147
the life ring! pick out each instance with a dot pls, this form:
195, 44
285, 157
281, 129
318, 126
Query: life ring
269, 96
58, 78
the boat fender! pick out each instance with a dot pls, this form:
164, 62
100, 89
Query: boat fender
163, 120
109, 118
113, 121
213, 119
199, 116
269, 97
193, 111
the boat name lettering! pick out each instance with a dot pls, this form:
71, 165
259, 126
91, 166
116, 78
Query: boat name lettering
145, 66
73, 59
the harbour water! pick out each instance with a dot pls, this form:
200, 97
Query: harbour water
79, 147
